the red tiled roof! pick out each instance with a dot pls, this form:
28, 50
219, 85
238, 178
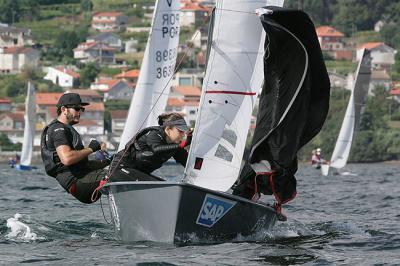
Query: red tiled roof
195, 7
326, 31
86, 92
192, 103
119, 114
370, 45
69, 72
88, 45
17, 50
17, 116
188, 90
47, 98
104, 21
107, 14
109, 82
395, 92
133, 73
5, 100
175, 102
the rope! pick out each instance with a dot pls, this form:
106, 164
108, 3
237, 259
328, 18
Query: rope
102, 210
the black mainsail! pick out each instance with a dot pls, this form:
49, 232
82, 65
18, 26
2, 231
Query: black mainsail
293, 104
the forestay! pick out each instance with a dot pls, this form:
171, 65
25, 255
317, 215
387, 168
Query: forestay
228, 95
30, 123
353, 113
153, 86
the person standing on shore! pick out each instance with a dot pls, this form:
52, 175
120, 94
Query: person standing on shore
64, 156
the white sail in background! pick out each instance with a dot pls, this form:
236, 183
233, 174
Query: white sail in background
352, 116
343, 143
153, 86
228, 95
30, 124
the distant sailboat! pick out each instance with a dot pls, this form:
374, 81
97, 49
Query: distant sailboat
29, 129
352, 116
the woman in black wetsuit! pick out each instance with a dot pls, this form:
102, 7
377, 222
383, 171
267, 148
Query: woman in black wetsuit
151, 148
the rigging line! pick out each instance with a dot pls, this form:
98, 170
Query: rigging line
238, 11
102, 210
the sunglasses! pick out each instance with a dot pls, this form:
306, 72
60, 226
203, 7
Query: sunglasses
77, 108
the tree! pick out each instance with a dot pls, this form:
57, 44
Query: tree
30, 9
86, 6
65, 42
9, 11
89, 74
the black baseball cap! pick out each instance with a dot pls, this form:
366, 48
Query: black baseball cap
68, 99
179, 124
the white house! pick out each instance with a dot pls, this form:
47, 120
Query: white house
63, 77
15, 37
12, 124
5, 104
379, 78
193, 13
382, 55
13, 59
118, 120
109, 21
94, 52
188, 77
332, 41
114, 89
187, 108
108, 38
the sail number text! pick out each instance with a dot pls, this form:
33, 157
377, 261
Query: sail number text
166, 71
165, 55
170, 25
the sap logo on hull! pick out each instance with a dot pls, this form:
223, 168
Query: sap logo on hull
213, 209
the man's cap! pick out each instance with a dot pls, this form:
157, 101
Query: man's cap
179, 124
319, 149
70, 99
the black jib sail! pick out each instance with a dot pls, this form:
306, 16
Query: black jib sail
293, 104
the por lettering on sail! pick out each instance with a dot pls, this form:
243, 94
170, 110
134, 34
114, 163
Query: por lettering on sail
170, 28
213, 209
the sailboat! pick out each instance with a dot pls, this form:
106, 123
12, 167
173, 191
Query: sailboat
158, 65
352, 116
29, 129
201, 206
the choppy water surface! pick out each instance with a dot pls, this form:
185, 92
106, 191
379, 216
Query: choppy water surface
341, 219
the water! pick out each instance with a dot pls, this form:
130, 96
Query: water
335, 220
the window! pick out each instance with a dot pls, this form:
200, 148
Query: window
192, 112
185, 81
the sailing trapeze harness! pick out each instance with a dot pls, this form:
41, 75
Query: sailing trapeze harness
50, 158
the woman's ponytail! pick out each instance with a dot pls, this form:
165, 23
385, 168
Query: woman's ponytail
168, 117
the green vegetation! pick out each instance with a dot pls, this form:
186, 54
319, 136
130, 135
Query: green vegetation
7, 145
341, 67
377, 138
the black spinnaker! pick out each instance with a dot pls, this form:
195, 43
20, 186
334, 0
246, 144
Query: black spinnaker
293, 104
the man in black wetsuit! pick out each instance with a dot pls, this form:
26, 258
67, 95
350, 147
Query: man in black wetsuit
151, 148
64, 156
